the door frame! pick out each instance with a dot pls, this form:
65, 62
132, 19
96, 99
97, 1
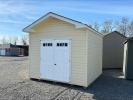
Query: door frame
70, 72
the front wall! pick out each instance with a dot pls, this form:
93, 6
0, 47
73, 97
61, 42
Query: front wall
113, 49
56, 29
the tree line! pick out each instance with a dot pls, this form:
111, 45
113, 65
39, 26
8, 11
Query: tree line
124, 26
24, 40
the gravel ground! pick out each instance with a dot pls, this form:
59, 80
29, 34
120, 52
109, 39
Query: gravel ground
15, 85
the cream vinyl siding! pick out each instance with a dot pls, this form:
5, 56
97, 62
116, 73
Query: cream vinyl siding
94, 56
56, 29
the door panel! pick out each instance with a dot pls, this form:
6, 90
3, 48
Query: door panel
47, 59
55, 60
62, 59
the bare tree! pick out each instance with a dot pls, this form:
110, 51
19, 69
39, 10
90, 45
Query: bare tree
4, 40
14, 40
107, 26
130, 29
123, 26
96, 26
25, 39
10, 40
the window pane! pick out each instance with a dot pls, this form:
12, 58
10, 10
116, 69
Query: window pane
58, 44
66, 44
61, 44
44, 44
48, 44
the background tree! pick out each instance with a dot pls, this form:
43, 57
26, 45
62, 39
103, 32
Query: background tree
130, 29
4, 40
96, 26
10, 39
25, 39
123, 26
107, 26
14, 40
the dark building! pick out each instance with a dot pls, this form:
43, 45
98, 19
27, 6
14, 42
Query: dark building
113, 49
13, 50
128, 59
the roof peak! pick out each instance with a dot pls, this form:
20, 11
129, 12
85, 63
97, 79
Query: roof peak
117, 33
77, 24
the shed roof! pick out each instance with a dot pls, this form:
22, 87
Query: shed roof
4, 46
116, 33
129, 39
77, 24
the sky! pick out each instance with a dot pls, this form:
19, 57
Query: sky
17, 14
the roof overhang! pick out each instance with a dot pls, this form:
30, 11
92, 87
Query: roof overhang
77, 24
128, 39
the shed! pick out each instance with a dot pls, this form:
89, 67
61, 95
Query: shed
128, 59
113, 49
25, 49
64, 50
11, 50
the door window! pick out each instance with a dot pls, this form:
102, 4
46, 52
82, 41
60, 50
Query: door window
47, 44
62, 44
66, 44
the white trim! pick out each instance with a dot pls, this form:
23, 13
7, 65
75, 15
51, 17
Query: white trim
76, 23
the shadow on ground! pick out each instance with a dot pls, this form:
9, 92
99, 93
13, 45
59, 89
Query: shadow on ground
109, 86
15, 85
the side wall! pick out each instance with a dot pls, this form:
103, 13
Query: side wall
113, 49
95, 43
125, 58
129, 61
57, 29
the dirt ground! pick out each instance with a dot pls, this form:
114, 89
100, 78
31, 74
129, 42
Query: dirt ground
16, 85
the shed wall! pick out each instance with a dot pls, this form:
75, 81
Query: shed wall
129, 60
125, 58
57, 29
113, 49
95, 44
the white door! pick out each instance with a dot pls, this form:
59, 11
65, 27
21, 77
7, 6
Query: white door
2, 52
55, 60
46, 59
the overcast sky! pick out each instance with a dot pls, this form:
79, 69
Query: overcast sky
16, 14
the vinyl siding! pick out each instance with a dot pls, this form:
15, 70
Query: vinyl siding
94, 56
113, 48
56, 29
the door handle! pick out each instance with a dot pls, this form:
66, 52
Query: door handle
54, 64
